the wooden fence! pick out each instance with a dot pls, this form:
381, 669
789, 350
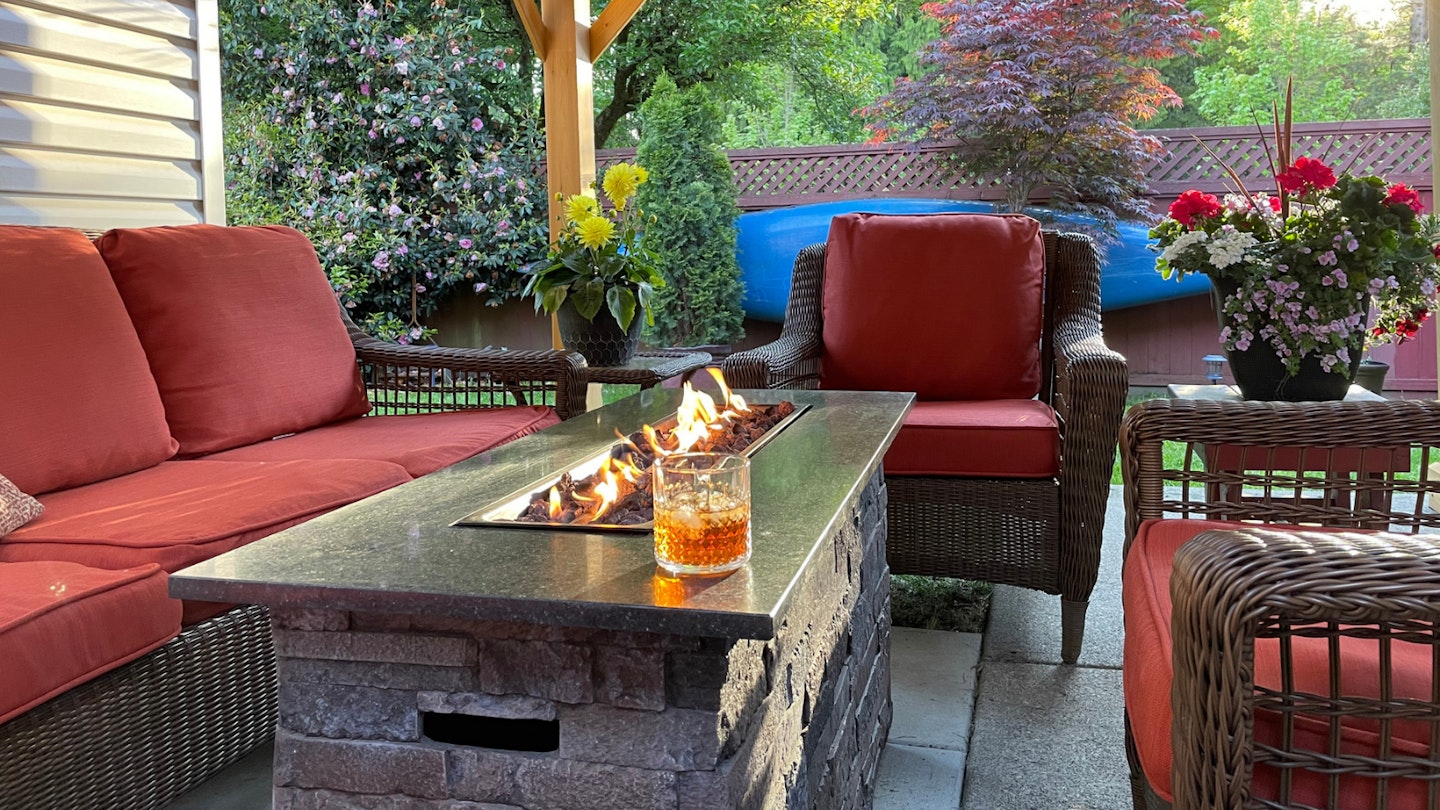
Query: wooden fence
770, 178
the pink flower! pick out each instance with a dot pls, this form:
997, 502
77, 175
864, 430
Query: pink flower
364, 88
1401, 194
476, 124
466, 244
1194, 205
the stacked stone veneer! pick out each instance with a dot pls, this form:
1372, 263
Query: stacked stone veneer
646, 721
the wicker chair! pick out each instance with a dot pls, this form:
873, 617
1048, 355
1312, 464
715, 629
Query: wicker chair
142, 734
1042, 534
1298, 597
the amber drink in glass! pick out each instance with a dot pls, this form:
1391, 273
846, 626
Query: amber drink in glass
702, 512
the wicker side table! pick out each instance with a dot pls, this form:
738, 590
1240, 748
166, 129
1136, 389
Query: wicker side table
1291, 461
646, 369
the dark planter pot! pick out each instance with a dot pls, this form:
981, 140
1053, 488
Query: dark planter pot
602, 342
1260, 372
1371, 376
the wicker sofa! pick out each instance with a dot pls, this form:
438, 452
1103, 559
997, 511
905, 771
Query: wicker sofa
1280, 649
147, 376
1002, 470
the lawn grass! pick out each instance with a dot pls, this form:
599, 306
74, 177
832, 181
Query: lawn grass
939, 603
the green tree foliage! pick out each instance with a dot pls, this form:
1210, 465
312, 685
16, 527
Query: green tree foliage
690, 205
727, 44
396, 137
1038, 94
1341, 70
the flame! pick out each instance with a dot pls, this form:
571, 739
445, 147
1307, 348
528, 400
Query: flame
554, 502
692, 420
733, 401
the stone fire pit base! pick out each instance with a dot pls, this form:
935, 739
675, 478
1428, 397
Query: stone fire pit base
405, 711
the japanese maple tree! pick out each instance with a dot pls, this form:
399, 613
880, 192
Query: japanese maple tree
1039, 96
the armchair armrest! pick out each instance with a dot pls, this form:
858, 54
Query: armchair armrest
1230, 588
1088, 391
1364, 456
793, 360
433, 378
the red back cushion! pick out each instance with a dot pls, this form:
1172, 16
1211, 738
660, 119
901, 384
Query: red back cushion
242, 331
78, 403
949, 306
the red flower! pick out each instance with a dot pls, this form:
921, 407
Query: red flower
1306, 173
1436, 250
1194, 204
1275, 204
1401, 194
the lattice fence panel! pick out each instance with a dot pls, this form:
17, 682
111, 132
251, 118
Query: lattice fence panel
770, 178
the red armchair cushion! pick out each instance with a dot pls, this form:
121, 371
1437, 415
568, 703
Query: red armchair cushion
1002, 438
77, 386
62, 624
421, 443
946, 305
242, 331
1148, 673
182, 512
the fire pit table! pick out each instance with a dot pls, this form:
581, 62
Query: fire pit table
425, 664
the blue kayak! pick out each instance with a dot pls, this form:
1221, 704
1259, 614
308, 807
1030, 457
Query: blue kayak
769, 240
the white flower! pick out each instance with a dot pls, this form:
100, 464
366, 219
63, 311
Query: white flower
1182, 243
1228, 246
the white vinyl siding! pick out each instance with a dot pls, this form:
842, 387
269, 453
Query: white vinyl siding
109, 113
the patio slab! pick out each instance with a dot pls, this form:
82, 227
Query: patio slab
917, 778
1047, 737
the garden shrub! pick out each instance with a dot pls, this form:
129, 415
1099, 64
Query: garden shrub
690, 209
401, 144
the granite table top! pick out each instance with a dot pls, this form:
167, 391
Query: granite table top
398, 552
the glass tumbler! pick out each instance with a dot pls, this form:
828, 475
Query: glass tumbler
702, 512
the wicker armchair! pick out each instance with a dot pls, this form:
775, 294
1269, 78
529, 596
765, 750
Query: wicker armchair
1043, 534
1298, 611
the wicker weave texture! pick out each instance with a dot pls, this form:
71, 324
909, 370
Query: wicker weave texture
433, 379
137, 737
1367, 467
1036, 534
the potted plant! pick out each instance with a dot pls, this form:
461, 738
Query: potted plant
599, 276
1295, 273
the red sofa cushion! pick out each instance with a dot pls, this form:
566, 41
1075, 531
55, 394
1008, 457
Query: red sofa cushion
182, 512
421, 443
241, 328
946, 305
1148, 673
1001, 438
62, 624
76, 382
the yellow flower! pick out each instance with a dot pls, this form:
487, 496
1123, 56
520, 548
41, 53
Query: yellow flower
594, 232
581, 207
621, 180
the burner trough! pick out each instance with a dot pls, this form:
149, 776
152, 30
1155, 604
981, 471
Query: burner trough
504, 512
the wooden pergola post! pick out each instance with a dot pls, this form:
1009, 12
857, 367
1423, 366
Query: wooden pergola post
567, 43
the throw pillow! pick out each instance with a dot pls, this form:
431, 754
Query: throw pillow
16, 508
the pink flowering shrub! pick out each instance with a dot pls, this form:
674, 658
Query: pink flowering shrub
401, 142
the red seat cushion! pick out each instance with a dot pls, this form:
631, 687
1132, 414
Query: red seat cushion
242, 330
182, 512
421, 443
1148, 673
62, 624
76, 383
1003, 438
946, 305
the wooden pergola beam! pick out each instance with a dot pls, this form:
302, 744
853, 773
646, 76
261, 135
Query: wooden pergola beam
534, 26
610, 23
